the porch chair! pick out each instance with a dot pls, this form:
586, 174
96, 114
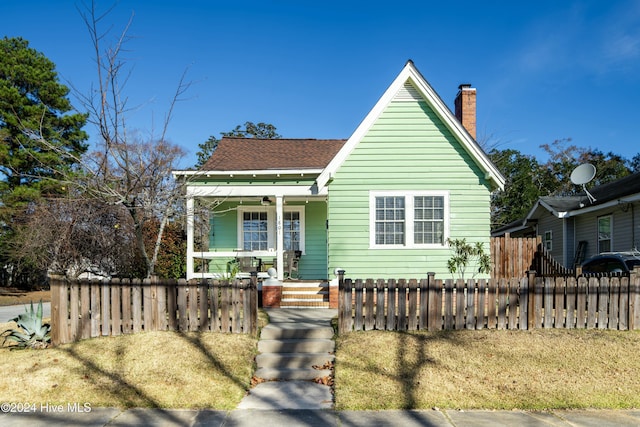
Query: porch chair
291, 259
247, 264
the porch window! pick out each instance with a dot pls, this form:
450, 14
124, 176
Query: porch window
257, 228
604, 233
291, 226
406, 220
255, 231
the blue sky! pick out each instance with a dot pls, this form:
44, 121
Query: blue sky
543, 70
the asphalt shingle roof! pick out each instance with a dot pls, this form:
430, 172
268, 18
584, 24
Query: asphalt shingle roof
236, 154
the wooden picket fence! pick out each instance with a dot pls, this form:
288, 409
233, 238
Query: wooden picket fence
521, 303
84, 309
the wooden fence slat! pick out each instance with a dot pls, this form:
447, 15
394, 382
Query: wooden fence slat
235, 304
549, 285
448, 305
558, 302
402, 305
581, 302
592, 302
481, 307
162, 319
204, 319
491, 304
127, 316
359, 298
225, 302
368, 309
460, 303
503, 292
136, 300
623, 315
412, 311
116, 300
214, 303
85, 309
106, 308
513, 303
571, 299
183, 319
614, 304
380, 304
391, 305
603, 302
147, 305
470, 318
74, 305
424, 306
523, 309
172, 305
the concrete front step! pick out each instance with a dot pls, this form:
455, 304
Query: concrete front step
304, 304
274, 331
291, 373
293, 360
296, 346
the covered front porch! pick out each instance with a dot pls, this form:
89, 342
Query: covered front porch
256, 227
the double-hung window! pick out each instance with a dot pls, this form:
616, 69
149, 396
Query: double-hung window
409, 219
604, 233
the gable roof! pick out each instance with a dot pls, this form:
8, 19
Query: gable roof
243, 154
410, 74
623, 190
619, 191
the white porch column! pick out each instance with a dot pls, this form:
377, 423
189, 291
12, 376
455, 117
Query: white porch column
190, 272
279, 238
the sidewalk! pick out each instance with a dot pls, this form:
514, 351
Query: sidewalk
312, 418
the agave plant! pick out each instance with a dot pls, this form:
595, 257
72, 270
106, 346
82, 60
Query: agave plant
33, 333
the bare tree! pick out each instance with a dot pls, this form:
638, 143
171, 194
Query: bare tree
126, 170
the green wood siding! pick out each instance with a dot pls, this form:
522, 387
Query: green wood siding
313, 264
408, 148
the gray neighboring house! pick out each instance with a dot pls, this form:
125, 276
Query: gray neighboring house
573, 229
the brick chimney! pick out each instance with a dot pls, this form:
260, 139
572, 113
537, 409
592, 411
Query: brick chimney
465, 105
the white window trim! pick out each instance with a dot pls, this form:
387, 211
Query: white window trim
408, 218
598, 240
548, 243
271, 224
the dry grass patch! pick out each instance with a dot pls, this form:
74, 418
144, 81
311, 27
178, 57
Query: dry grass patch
541, 369
155, 369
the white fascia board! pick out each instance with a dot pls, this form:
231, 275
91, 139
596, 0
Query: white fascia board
410, 73
548, 207
252, 191
261, 172
621, 201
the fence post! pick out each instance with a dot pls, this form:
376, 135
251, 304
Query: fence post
253, 304
341, 303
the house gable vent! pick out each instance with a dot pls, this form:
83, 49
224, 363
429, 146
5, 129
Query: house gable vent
408, 93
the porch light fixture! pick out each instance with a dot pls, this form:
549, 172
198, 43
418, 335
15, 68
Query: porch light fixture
266, 201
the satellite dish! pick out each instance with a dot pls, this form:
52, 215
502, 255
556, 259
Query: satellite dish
582, 175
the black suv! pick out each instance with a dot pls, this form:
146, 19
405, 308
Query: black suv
611, 263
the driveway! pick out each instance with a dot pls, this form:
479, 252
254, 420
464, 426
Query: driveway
11, 311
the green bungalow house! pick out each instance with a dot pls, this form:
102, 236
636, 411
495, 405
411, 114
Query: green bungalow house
380, 204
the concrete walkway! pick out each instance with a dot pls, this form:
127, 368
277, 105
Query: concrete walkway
293, 348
